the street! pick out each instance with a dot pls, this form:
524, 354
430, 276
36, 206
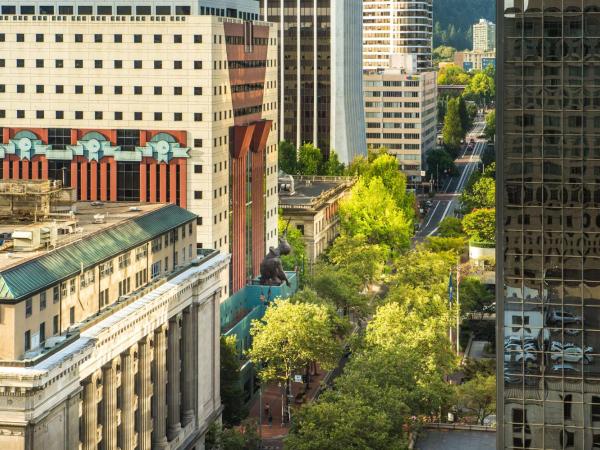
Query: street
446, 201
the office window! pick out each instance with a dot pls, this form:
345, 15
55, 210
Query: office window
72, 315
79, 89
20, 113
42, 332
178, 117
177, 38
20, 88
59, 89
118, 90
197, 90
137, 64
104, 10
158, 116
42, 300
117, 38
118, 115
39, 63
78, 115
177, 90
28, 9
27, 340
198, 143
98, 64
47, 10
163, 10
123, 10
20, 37
2, 88
98, 90
20, 62
197, 65
118, 64
59, 63
39, 114
28, 307
79, 38
59, 115
158, 64
55, 328
84, 10
66, 10
9, 10
177, 65
137, 116
98, 115
158, 38
97, 37
137, 90
198, 195
39, 37
197, 168
2, 63
197, 117
197, 39
39, 88
137, 38
79, 63
157, 90
2, 37
58, 38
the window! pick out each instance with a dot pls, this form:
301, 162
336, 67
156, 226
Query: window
197, 90
177, 65
197, 168
177, 90
42, 332
55, 329
158, 38
9, 10
55, 294
59, 63
2, 63
98, 90
124, 260
72, 315
60, 115
137, 90
79, 89
39, 37
158, 116
39, 63
118, 90
98, 64
198, 195
20, 37
20, 62
84, 10
79, 38
157, 90
2, 37
197, 65
20, 113
155, 269
197, 39
178, 117
567, 406
28, 307
66, 10
143, 10
104, 10
39, 114
59, 89
118, 38
197, 117
163, 10
300, 228
141, 252
123, 10
98, 115
103, 298
106, 269
137, 38
118, 115
27, 340
79, 63
595, 408
158, 64
137, 64
137, 115
118, 64
198, 143
98, 37
177, 38
39, 88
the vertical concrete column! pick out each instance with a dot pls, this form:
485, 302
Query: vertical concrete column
183, 186
152, 167
109, 407
144, 393
173, 182
188, 362
113, 179
174, 372
74, 165
159, 401
103, 180
44, 168
143, 183
127, 402
84, 177
90, 413
25, 166
163, 182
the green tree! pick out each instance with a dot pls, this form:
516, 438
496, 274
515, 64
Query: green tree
453, 131
453, 75
466, 120
481, 194
480, 225
490, 125
478, 396
474, 295
289, 337
310, 160
232, 394
245, 437
439, 244
439, 162
481, 88
450, 227
443, 53
296, 241
371, 212
333, 166
287, 157
341, 287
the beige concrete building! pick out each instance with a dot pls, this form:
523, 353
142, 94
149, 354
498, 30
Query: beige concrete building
400, 109
147, 102
475, 59
310, 204
109, 324
484, 36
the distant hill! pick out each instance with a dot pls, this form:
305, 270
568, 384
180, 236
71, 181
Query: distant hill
453, 20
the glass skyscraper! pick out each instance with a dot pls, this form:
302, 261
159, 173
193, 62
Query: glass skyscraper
549, 224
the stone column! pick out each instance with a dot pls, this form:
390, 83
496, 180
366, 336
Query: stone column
159, 436
174, 374
144, 393
127, 402
109, 407
90, 413
189, 347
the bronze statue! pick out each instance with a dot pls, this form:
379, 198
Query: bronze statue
271, 268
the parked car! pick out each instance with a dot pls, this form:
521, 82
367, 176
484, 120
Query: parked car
567, 368
558, 346
572, 354
565, 318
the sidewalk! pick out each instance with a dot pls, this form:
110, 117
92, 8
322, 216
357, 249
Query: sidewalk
273, 435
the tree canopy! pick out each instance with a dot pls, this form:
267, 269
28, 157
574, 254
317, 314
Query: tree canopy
296, 241
453, 131
310, 160
478, 396
490, 125
453, 75
450, 227
287, 157
481, 88
480, 225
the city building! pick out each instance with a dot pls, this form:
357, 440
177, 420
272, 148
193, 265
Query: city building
242, 9
320, 78
484, 36
148, 102
475, 59
548, 252
397, 27
109, 323
401, 115
310, 204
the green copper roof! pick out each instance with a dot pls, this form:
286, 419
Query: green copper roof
26, 279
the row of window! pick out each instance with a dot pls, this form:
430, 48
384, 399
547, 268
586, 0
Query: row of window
99, 90
99, 115
98, 38
99, 64
101, 10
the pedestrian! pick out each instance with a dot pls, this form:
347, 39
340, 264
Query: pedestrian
270, 419
267, 409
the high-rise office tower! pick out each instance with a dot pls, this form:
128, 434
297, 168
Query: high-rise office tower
148, 101
549, 224
484, 36
320, 79
394, 27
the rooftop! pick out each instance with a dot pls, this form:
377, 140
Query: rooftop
68, 242
310, 191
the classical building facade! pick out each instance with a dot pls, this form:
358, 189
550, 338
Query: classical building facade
320, 81
110, 327
401, 116
396, 28
548, 252
148, 102
310, 204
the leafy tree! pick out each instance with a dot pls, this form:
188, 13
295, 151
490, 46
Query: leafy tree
310, 160
232, 394
439, 244
453, 75
443, 53
450, 227
333, 166
422, 267
355, 255
341, 287
453, 131
439, 161
473, 367
474, 295
481, 194
480, 225
490, 125
289, 337
245, 437
466, 120
481, 88
296, 241
372, 213
287, 157
478, 396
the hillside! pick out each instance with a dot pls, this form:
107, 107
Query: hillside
453, 20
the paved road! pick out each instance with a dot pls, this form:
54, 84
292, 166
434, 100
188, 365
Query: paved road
446, 201
456, 440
